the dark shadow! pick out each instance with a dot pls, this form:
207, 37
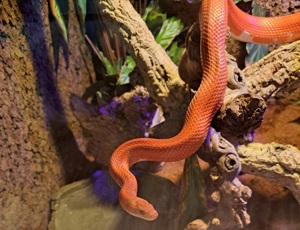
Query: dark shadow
73, 162
297, 121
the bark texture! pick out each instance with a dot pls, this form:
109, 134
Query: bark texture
278, 72
37, 73
278, 163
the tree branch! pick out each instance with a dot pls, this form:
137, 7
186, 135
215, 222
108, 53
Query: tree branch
278, 71
159, 72
278, 163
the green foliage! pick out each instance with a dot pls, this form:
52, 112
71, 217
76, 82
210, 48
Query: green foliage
154, 18
81, 9
111, 69
175, 52
164, 29
117, 70
58, 15
56, 12
255, 52
127, 68
170, 29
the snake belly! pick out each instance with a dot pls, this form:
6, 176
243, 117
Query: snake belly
215, 15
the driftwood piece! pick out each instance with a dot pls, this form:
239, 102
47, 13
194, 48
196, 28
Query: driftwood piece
226, 195
278, 163
160, 73
278, 72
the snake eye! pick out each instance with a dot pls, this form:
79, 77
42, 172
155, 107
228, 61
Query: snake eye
142, 212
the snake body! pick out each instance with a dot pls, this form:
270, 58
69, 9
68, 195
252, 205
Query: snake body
215, 16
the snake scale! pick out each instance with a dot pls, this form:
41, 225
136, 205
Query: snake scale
215, 17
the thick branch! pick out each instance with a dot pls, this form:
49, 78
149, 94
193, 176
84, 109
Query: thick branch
160, 73
278, 71
279, 163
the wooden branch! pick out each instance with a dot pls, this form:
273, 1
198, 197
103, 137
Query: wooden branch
159, 72
278, 71
278, 163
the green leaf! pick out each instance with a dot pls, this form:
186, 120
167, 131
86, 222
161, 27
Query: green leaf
81, 6
153, 17
59, 19
255, 52
110, 68
127, 68
148, 9
175, 52
155, 20
170, 29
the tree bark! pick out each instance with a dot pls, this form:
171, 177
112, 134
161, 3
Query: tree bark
38, 150
278, 163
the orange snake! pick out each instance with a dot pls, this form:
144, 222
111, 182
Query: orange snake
215, 16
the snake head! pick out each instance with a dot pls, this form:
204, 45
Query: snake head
136, 206
145, 210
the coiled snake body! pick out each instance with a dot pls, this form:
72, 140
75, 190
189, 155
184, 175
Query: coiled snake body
215, 16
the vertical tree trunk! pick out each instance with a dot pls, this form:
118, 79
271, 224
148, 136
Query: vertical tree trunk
38, 151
